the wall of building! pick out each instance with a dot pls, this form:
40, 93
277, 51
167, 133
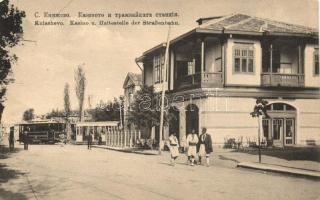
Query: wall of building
230, 118
308, 120
310, 79
223, 117
252, 79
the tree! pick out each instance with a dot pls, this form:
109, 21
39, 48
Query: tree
109, 111
28, 115
67, 108
259, 110
80, 80
55, 114
10, 35
145, 110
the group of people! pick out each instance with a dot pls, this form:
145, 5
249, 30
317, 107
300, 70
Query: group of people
195, 146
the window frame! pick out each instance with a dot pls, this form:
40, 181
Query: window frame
158, 68
247, 47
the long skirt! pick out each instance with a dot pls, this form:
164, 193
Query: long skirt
202, 150
174, 151
192, 151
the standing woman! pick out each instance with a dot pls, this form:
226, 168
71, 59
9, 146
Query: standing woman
192, 141
205, 146
174, 148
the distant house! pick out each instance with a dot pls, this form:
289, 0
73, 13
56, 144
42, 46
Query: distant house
218, 69
131, 85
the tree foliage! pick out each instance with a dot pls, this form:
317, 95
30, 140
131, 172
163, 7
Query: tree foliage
80, 80
28, 115
260, 108
107, 111
145, 109
56, 113
10, 34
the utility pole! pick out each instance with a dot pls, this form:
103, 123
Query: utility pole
163, 89
259, 137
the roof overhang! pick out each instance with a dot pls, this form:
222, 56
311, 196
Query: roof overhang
102, 123
221, 32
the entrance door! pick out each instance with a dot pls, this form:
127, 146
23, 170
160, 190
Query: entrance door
192, 119
277, 131
174, 125
289, 132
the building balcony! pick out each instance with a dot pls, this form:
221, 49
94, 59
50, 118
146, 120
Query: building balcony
200, 80
282, 80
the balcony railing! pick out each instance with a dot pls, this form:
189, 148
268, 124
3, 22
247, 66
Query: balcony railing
206, 80
284, 80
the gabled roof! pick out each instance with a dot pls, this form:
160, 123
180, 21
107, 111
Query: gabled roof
246, 23
132, 79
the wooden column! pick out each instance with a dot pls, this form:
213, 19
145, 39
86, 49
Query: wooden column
300, 64
222, 61
202, 56
271, 64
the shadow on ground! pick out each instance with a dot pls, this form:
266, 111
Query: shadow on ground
6, 153
7, 174
287, 153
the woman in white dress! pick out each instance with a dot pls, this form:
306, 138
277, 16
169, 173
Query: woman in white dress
174, 147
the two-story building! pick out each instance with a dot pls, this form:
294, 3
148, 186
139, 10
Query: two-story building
131, 85
218, 69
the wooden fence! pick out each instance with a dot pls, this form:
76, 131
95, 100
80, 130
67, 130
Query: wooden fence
116, 137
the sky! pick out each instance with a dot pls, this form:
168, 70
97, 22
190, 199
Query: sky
107, 53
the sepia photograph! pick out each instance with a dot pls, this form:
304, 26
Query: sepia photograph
159, 100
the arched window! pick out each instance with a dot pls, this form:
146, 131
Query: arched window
280, 107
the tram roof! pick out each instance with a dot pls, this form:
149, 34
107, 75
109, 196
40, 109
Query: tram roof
102, 123
38, 122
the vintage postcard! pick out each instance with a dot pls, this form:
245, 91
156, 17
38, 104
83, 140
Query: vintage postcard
146, 99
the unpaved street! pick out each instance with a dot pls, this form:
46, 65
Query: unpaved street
73, 172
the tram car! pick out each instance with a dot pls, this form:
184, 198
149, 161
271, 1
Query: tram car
48, 132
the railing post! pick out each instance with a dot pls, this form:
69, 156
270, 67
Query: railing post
125, 138
130, 140
114, 137
118, 137
135, 137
